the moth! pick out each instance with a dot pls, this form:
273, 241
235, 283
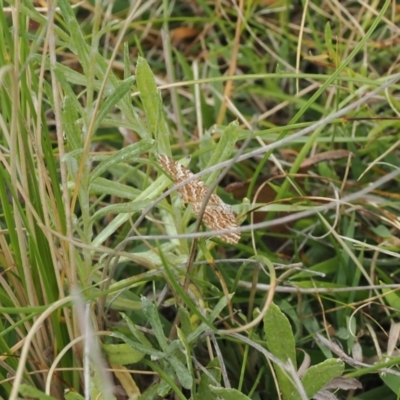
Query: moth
217, 214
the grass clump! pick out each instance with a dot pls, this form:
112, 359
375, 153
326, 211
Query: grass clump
111, 287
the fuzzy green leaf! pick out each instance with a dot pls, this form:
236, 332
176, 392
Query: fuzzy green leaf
122, 354
77, 40
204, 391
223, 150
112, 100
280, 342
152, 104
152, 316
73, 396
181, 371
128, 153
228, 394
317, 376
130, 207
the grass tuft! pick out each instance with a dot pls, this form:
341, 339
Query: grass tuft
110, 286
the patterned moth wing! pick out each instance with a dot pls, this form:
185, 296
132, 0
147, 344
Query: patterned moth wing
217, 215
191, 192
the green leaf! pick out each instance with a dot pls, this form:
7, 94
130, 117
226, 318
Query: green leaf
381, 231
184, 296
33, 393
166, 384
181, 371
392, 298
392, 382
280, 342
122, 354
139, 335
326, 170
77, 41
131, 207
152, 316
127, 61
73, 396
71, 128
155, 354
223, 301
97, 386
327, 267
317, 376
223, 150
278, 335
151, 393
112, 100
152, 104
228, 394
66, 76
184, 317
122, 303
106, 187
125, 154
71, 76
214, 369
150, 193
188, 355
328, 41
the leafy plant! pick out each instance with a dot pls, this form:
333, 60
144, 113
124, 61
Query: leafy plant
108, 280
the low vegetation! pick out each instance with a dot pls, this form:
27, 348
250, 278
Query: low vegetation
123, 129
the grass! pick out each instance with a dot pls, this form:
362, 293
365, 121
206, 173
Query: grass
109, 285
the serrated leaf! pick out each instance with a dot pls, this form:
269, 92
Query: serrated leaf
317, 376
